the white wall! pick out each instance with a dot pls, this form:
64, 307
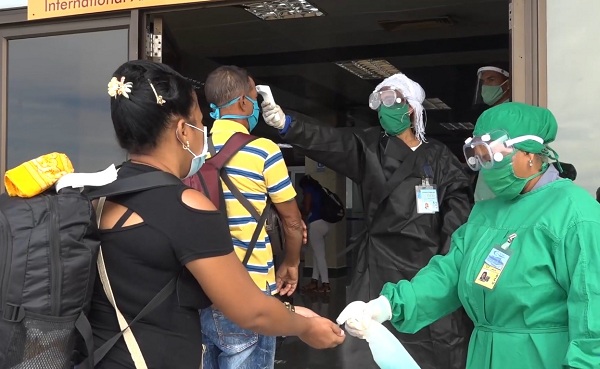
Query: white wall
6, 4
574, 85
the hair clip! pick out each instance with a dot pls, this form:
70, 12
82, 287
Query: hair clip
197, 85
159, 99
116, 87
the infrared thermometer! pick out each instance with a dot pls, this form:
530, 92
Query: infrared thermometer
265, 92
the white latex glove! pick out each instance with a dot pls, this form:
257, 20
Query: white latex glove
358, 315
273, 115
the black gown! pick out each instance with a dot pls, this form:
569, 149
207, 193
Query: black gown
397, 241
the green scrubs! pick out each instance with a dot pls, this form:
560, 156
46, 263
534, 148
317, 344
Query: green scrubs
544, 311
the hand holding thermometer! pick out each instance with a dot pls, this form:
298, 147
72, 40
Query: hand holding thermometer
265, 92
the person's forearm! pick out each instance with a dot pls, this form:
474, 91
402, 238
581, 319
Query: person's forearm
274, 319
293, 242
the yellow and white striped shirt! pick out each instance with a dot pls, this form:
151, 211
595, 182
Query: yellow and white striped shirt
257, 170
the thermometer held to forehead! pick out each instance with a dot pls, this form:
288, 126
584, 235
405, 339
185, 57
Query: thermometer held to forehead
265, 92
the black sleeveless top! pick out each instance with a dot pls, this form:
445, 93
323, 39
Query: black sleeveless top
140, 260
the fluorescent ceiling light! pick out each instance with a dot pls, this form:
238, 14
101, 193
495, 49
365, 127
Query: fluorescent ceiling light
283, 9
458, 125
435, 104
369, 68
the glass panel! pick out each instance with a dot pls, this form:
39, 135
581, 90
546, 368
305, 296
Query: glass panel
58, 101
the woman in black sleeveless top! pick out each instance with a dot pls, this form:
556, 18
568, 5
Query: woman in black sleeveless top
152, 236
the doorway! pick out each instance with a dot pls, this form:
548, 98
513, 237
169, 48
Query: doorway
317, 64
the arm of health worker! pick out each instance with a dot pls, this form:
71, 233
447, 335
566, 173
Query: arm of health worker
337, 148
431, 294
578, 269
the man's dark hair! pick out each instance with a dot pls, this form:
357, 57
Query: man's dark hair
225, 84
139, 120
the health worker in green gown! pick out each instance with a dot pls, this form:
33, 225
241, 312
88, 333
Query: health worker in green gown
525, 266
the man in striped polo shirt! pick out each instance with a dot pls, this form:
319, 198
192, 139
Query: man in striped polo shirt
257, 170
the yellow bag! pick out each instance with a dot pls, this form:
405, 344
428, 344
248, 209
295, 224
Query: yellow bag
36, 176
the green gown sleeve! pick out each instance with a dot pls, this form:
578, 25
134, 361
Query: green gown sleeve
431, 294
578, 266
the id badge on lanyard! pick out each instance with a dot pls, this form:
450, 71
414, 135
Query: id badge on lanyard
494, 264
427, 198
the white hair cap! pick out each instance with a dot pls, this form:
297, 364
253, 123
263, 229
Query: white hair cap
414, 94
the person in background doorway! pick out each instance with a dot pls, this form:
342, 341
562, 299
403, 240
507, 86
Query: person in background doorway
392, 163
538, 305
317, 230
493, 86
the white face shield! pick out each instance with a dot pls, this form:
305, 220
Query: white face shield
492, 85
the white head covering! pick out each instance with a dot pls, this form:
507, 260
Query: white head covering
414, 94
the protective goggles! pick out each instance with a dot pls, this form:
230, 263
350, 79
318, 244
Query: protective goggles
386, 97
491, 148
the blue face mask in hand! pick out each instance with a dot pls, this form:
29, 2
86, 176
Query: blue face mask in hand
252, 118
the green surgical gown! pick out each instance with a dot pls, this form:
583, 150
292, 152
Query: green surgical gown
544, 311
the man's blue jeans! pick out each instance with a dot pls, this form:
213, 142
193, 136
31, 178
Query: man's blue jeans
230, 347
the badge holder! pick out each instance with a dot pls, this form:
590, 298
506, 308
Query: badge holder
494, 264
427, 198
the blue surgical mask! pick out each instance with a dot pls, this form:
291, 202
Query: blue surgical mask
197, 160
252, 118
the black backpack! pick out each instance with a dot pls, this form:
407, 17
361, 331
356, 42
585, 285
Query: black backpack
48, 249
208, 181
332, 209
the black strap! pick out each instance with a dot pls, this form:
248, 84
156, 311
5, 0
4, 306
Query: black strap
123, 219
261, 219
82, 325
211, 146
259, 226
156, 300
138, 183
240, 197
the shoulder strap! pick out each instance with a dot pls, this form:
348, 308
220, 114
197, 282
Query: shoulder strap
260, 224
130, 340
213, 168
156, 300
134, 184
234, 144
